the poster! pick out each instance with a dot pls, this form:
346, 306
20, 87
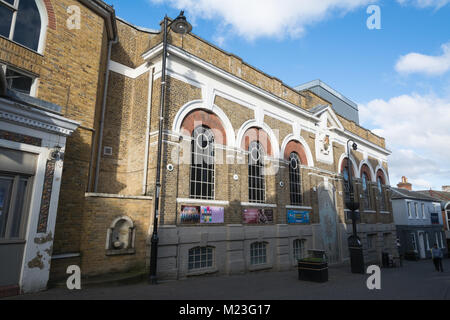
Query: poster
211, 215
297, 217
190, 214
258, 216
203, 215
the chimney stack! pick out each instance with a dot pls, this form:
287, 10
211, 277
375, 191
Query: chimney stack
405, 184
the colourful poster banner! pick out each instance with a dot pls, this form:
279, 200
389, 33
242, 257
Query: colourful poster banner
190, 215
298, 217
258, 216
210, 215
203, 215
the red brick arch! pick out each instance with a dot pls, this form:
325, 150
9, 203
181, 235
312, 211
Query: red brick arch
365, 169
380, 174
257, 134
50, 14
297, 147
345, 164
208, 119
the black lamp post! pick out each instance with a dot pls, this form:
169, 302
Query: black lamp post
352, 203
181, 26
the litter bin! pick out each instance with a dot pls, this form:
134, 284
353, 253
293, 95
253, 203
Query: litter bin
357, 260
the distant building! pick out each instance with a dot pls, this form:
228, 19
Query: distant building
418, 221
341, 105
444, 198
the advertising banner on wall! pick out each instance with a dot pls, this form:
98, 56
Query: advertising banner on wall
258, 216
212, 215
190, 214
434, 218
298, 217
204, 215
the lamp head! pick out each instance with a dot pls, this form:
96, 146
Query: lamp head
181, 25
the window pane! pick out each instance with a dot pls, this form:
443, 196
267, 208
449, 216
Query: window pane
28, 24
11, 2
18, 81
18, 209
6, 15
5, 194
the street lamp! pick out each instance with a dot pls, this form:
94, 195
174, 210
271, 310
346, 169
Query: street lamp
354, 243
181, 26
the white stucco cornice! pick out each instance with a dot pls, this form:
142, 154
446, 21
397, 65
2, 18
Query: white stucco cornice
31, 117
180, 53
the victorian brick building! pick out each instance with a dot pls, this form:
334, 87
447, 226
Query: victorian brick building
252, 170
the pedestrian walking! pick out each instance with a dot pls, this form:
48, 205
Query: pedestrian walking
437, 256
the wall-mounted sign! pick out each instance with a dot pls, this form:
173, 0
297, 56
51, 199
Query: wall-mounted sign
190, 215
298, 217
211, 215
204, 215
258, 216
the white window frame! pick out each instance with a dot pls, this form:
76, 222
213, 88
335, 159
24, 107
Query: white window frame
409, 210
427, 237
16, 178
414, 241
299, 252
416, 208
44, 23
423, 211
258, 252
34, 78
207, 261
437, 240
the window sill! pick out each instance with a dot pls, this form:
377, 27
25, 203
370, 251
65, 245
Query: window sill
200, 272
202, 201
252, 204
7, 242
369, 211
122, 252
21, 45
260, 267
299, 207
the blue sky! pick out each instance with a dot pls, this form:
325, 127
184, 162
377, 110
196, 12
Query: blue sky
399, 75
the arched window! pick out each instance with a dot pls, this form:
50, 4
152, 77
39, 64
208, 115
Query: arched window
366, 191
202, 164
258, 253
346, 177
381, 194
256, 179
201, 258
20, 21
295, 179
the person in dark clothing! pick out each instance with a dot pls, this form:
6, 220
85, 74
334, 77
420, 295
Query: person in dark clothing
437, 255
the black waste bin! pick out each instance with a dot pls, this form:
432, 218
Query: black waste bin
357, 260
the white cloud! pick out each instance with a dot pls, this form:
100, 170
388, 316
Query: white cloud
417, 131
425, 3
252, 19
420, 63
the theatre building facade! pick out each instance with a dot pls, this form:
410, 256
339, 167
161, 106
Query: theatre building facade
252, 170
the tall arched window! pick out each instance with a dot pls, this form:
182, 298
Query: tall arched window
256, 179
366, 191
381, 194
202, 164
295, 179
20, 21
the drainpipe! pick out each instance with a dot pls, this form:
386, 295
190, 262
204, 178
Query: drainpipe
147, 133
102, 119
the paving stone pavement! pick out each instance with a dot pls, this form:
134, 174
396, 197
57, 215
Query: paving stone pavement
415, 280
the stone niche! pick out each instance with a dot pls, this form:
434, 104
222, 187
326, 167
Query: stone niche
120, 237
